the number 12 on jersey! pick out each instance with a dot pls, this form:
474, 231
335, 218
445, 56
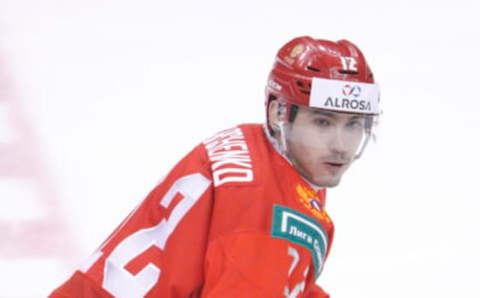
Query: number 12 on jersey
120, 282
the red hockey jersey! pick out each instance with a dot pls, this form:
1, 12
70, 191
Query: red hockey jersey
232, 219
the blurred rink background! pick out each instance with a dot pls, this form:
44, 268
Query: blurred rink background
99, 99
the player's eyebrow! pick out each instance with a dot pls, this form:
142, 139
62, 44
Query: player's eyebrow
355, 117
334, 115
323, 113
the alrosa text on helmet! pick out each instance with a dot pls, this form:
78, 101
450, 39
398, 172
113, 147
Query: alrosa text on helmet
348, 104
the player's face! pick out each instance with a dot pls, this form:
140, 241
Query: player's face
323, 144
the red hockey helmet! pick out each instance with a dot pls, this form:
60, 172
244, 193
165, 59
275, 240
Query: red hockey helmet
323, 74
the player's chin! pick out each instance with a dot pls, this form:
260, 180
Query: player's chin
327, 181
327, 178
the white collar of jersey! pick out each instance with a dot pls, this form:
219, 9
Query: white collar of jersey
276, 144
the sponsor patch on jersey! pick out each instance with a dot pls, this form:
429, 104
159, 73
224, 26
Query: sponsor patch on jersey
309, 199
298, 228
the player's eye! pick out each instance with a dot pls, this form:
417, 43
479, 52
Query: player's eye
355, 124
321, 122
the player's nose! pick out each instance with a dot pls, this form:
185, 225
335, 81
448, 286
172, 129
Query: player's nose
338, 141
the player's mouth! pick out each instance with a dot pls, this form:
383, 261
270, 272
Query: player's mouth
334, 166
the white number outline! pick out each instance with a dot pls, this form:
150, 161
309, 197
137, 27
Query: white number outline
120, 282
300, 287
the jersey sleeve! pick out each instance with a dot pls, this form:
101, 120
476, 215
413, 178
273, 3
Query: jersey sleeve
158, 251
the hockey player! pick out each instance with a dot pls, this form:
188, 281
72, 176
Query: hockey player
243, 214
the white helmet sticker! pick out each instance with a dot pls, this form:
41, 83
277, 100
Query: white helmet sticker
345, 96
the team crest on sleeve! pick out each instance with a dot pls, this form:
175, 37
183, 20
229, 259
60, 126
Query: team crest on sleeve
309, 199
298, 228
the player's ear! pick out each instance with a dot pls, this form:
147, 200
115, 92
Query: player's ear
275, 115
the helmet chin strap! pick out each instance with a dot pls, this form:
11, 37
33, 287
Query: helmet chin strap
283, 139
279, 143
